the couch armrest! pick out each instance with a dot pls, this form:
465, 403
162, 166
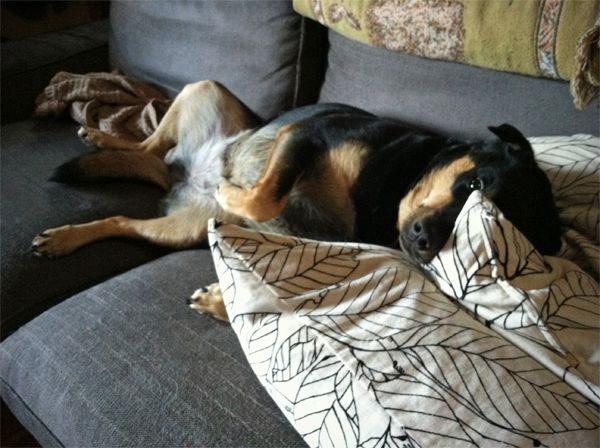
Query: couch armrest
29, 64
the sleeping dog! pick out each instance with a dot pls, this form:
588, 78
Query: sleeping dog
327, 171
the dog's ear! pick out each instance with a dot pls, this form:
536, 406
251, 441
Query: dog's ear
512, 136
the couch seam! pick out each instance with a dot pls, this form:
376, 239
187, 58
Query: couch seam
301, 43
30, 411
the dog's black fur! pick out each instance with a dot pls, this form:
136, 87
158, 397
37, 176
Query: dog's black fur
397, 159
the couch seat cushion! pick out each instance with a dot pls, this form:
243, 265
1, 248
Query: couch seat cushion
30, 204
128, 363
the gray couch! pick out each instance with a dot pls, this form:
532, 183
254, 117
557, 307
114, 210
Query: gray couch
114, 356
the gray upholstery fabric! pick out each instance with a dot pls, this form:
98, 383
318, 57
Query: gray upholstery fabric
251, 47
449, 97
31, 150
29, 64
128, 363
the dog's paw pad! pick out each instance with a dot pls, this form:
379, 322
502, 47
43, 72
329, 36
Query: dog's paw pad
208, 300
200, 299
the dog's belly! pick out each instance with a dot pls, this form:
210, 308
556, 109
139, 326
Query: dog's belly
196, 171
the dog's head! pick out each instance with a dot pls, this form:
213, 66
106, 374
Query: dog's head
505, 171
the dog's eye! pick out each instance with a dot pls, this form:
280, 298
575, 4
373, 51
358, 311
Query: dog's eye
475, 184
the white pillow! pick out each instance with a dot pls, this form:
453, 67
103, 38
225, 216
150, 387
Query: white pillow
359, 348
547, 306
573, 166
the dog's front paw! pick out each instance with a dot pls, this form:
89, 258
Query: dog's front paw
54, 242
209, 301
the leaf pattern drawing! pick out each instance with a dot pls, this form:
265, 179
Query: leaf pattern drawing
517, 292
498, 377
572, 165
494, 345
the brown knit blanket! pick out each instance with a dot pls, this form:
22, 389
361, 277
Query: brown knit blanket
119, 105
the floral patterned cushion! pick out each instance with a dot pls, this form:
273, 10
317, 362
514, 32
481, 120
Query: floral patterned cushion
538, 39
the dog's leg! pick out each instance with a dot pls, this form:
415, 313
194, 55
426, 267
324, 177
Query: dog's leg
209, 300
201, 108
100, 139
115, 164
291, 153
183, 228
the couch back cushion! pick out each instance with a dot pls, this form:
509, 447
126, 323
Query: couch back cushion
449, 97
251, 47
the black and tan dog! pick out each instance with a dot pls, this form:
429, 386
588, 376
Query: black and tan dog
326, 171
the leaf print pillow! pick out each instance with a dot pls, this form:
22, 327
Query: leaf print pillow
359, 348
547, 306
573, 166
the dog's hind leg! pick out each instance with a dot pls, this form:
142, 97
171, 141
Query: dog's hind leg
183, 228
103, 140
291, 154
201, 111
115, 164
202, 108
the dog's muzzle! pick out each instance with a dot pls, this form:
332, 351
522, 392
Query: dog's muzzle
422, 239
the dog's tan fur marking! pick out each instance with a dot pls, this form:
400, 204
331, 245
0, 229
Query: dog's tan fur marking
432, 192
345, 162
256, 203
197, 107
341, 166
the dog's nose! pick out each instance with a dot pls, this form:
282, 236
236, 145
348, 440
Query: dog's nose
419, 236
424, 237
